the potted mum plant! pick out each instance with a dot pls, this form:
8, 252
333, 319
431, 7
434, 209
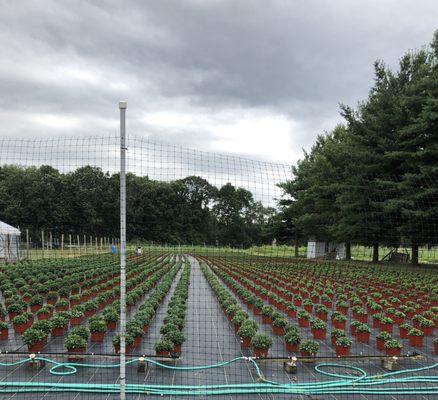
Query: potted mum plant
404, 330
231, 310
177, 338
416, 337
75, 344
44, 313
303, 319
293, 341
399, 317
291, 310
336, 334
427, 326
59, 325
309, 348
36, 302
4, 330
97, 328
339, 320
76, 316
15, 309
3, 313
319, 329
129, 341
21, 323
163, 348
44, 325
363, 332
343, 345
298, 300
111, 318
267, 312
386, 324
321, 312
308, 305
393, 348
258, 305
82, 332
239, 318
261, 343
381, 338
246, 332
278, 326
35, 339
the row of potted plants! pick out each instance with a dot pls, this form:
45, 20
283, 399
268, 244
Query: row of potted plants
358, 313
280, 325
138, 325
244, 327
57, 324
173, 323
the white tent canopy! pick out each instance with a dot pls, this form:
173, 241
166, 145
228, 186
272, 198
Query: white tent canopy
6, 229
9, 243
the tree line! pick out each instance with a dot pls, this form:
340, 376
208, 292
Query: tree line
86, 201
373, 179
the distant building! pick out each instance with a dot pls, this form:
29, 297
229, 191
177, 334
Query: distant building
325, 250
9, 243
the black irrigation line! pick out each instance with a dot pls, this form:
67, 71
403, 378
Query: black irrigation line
136, 355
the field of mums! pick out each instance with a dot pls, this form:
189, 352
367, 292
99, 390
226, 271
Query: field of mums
72, 306
280, 308
327, 309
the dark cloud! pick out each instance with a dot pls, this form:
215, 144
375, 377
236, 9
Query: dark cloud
195, 72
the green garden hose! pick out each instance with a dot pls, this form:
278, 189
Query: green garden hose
344, 384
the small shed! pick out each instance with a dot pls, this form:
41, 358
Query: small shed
325, 250
316, 249
9, 243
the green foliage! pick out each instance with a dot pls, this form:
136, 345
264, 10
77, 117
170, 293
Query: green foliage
176, 337
292, 337
75, 341
393, 344
343, 341
372, 180
261, 341
32, 336
82, 332
20, 319
164, 345
415, 332
97, 325
188, 210
44, 325
309, 346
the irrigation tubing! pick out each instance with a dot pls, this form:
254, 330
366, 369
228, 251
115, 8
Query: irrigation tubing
358, 382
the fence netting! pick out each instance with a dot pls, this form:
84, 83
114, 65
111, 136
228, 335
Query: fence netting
240, 283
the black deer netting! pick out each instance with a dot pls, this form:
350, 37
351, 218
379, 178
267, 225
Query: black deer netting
241, 282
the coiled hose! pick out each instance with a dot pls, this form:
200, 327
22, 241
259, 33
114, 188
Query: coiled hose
392, 383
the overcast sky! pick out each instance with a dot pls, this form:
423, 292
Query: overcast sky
257, 77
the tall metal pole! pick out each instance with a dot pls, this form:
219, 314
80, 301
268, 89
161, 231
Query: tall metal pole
122, 107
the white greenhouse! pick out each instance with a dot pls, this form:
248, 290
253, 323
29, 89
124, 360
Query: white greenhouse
9, 243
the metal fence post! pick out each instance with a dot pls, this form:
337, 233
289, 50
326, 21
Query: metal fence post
122, 107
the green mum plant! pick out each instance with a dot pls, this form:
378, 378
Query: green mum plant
309, 346
261, 341
75, 341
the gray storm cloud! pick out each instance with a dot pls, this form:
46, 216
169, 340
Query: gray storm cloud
259, 78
